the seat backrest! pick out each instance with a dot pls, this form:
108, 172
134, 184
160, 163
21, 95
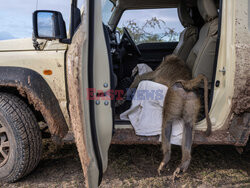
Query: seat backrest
189, 35
201, 57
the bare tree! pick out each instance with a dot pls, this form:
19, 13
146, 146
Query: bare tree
144, 33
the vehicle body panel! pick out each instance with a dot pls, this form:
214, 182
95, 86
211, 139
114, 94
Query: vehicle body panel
21, 53
241, 97
239, 117
32, 86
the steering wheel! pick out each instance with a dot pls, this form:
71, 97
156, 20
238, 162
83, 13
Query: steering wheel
130, 40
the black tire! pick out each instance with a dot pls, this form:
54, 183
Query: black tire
18, 129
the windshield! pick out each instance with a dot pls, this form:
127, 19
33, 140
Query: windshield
152, 25
107, 8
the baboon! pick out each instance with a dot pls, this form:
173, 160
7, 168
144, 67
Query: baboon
181, 102
169, 71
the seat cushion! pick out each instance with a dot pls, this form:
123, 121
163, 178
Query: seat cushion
207, 9
189, 35
187, 40
201, 57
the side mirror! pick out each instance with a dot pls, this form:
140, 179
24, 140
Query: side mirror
49, 25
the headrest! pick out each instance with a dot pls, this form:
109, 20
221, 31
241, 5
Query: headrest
184, 14
207, 9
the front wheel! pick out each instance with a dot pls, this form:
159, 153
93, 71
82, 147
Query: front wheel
20, 139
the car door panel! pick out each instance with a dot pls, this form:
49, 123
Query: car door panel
88, 74
152, 53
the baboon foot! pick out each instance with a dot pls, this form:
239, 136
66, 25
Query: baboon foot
162, 165
181, 169
176, 173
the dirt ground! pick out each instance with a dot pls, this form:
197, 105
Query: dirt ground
136, 166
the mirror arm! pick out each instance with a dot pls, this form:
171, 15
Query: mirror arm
66, 41
73, 6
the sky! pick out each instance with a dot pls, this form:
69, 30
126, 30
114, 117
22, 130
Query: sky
16, 16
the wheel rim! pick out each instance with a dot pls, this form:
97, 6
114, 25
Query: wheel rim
4, 145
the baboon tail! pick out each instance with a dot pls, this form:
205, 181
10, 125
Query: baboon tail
209, 124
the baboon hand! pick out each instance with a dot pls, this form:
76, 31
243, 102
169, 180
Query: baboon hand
119, 102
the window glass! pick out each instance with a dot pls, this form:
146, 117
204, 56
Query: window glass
107, 8
152, 25
80, 4
16, 16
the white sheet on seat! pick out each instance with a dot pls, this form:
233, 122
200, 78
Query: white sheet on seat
145, 113
141, 69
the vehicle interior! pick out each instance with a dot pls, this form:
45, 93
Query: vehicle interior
197, 44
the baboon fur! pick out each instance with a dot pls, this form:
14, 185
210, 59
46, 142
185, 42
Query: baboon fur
181, 102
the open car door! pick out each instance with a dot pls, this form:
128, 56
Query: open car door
88, 76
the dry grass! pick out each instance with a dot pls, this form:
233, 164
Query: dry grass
135, 166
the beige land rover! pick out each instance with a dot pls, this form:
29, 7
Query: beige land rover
48, 78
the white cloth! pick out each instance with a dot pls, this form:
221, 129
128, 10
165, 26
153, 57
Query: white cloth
141, 69
177, 129
145, 113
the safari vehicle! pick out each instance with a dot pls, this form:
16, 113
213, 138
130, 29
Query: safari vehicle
48, 79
